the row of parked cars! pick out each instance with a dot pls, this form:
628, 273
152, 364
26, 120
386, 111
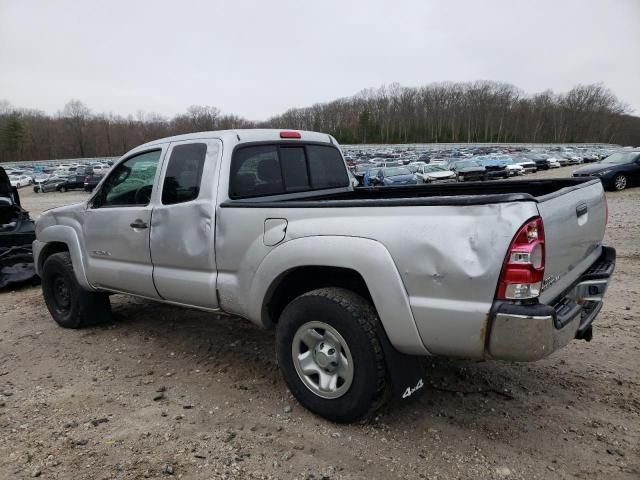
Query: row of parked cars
59, 178
394, 166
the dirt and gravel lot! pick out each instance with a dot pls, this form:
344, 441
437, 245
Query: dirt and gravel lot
165, 391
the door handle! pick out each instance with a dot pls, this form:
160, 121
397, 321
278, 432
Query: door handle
138, 224
581, 209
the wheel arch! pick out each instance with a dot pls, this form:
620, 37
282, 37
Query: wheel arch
56, 239
362, 265
302, 279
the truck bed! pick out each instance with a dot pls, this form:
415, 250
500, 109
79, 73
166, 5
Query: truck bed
471, 193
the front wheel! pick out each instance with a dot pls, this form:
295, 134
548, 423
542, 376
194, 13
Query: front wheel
62, 189
619, 182
69, 304
329, 354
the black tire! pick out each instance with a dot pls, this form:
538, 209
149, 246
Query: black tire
356, 321
62, 189
69, 304
619, 182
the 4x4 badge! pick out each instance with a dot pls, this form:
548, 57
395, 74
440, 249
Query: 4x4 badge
410, 391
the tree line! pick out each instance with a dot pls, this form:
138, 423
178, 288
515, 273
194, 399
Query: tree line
479, 111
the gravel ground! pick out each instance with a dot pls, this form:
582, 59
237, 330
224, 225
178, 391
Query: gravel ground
164, 391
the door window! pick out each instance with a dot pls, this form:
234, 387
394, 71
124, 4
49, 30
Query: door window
130, 183
184, 173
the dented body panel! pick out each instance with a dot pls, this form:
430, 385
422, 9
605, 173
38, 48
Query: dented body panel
430, 258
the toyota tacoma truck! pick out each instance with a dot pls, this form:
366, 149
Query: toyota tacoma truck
357, 283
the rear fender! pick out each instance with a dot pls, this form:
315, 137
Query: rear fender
367, 257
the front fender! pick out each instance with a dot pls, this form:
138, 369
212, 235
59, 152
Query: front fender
369, 258
67, 235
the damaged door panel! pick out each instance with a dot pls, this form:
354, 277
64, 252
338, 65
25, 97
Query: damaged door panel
183, 225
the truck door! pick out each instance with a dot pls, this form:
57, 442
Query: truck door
116, 227
183, 224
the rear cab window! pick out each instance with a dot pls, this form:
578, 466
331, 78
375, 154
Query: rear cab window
272, 169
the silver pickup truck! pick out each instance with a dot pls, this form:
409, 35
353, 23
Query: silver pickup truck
357, 283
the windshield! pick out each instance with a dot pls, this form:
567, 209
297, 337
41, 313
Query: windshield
621, 157
391, 172
467, 164
363, 168
434, 168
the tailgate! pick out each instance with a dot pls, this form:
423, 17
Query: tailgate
574, 222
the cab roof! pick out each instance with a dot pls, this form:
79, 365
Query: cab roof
245, 135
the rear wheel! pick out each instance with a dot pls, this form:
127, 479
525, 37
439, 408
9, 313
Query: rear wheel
69, 304
329, 354
62, 189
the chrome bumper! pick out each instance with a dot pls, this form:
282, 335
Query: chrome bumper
527, 338
531, 332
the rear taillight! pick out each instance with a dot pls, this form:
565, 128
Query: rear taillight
523, 267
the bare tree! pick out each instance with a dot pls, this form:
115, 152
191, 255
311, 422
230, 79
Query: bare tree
481, 111
76, 115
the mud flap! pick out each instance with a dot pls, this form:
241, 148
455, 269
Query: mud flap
406, 372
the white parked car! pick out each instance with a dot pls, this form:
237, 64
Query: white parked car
527, 165
432, 173
563, 161
512, 167
553, 163
574, 159
20, 181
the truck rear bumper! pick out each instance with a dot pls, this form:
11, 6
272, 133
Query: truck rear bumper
531, 332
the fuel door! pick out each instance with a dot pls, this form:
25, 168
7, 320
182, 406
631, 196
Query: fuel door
275, 230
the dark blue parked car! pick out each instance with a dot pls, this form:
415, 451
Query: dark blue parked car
617, 171
392, 177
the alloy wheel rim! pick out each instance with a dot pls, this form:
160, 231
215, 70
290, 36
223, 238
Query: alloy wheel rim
621, 182
322, 360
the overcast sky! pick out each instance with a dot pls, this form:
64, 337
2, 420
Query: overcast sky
259, 58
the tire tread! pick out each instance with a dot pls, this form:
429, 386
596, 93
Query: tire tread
363, 312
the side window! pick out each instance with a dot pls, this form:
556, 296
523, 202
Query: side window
255, 171
130, 183
326, 167
184, 173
